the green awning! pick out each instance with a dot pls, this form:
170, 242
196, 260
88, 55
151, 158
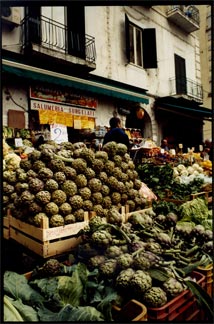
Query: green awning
180, 105
41, 75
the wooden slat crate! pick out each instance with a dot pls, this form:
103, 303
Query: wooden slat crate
46, 241
6, 230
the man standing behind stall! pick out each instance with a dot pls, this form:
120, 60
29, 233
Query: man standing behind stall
116, 133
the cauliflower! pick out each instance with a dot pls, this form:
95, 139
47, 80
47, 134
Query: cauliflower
181, 167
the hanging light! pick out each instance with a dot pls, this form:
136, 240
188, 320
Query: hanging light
140, 113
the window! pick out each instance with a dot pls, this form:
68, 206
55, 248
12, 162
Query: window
140, 45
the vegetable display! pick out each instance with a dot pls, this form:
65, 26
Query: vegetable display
116, 262
178, 181
62, 181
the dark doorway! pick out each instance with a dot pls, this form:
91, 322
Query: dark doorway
33, 16
180, 75
76, 30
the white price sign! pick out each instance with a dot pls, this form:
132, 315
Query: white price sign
18, 142
59, 133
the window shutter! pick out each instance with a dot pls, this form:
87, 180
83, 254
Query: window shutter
149, 49
127, 38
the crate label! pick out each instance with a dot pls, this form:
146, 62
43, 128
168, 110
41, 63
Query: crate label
61, 231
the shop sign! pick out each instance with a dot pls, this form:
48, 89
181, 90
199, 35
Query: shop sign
42, 105
60, 96
59, 133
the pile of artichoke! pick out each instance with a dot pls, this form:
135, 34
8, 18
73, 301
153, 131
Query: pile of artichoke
148, 257
62, 181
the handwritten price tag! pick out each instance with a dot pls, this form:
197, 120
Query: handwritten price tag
59, 133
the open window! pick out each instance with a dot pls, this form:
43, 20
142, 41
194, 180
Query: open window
140, 45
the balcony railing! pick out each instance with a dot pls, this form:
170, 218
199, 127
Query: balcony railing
183, 86
55, 36
186, 17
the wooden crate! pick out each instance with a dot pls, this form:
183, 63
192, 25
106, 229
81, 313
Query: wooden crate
46, 241
6, 230
191, 197
126, 214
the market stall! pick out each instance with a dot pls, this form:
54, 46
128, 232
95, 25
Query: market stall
122, 241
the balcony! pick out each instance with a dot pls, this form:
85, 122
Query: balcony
186, 88
186, 17
52, 43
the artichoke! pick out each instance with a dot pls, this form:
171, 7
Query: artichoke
7, 188
97, 198
79, 215
56, 165
101, 238
35, 185
76, 201
56, 220
173, 287
97, 165
96, 261
95, 222
124, 278
113, 251
140, 282
103, 176
69, 219
45, 173
81, 181
51, 185
114, 217
70, 173
51, 208
26, 198
43, 197
35, 208
60, 177
51, 267
108, 268
37, 219
110, 148
59, 197
125, 261
65, 209
85, 193
79, 165
95, 184
102, 155
90, 173
155, 297
69, 187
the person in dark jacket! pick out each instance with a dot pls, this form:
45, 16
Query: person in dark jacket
116, 133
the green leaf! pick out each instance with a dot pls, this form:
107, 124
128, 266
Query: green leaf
188, 269
202, 297
158, 274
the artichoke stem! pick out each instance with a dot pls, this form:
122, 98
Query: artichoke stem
193, 249
63, 158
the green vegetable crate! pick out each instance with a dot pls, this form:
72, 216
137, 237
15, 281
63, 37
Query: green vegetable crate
44, 241
183, 308
208, 273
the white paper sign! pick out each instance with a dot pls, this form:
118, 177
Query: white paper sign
59, 133
18, 142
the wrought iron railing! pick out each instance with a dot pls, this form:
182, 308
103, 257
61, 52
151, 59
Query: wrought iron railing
53, 35
184, 86
190, 12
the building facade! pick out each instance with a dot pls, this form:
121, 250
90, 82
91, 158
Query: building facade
206, 56
78, 66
